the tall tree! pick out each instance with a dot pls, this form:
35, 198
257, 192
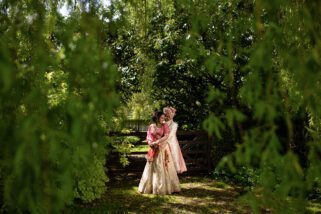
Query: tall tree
57, 96
252, 69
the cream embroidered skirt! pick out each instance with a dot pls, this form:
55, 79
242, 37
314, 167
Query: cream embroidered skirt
160, 176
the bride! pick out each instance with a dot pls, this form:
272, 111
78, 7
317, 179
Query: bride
173, 142
159, 176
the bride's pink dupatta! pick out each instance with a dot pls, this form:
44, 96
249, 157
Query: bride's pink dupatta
154, 134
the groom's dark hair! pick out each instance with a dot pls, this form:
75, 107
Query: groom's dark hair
156, 115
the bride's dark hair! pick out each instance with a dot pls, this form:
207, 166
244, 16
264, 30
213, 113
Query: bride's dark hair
157, 115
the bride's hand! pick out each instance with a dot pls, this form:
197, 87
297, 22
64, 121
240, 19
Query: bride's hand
156, 142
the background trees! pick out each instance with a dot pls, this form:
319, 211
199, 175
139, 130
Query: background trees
249, 68
247, 72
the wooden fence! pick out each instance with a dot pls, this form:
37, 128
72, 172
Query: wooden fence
195, 146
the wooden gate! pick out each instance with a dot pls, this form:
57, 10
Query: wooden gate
195, 146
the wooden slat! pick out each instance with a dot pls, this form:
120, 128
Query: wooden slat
193, 152
119, 134
182, 142
179, 132
188, 133
197, 142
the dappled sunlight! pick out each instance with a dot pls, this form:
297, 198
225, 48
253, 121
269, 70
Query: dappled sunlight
198, 195
314, 207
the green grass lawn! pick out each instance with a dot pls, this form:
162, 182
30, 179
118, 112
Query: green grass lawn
314, 207
139, 148
198, 195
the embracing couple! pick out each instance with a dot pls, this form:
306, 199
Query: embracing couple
164, 158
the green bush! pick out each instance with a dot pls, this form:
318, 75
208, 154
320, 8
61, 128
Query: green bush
123, 146
90, 181
244, 176
57, 97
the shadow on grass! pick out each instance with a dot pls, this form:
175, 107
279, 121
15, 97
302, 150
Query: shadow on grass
103, 208
217, 195
198, 195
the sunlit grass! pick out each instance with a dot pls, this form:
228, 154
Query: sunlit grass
139, 148
314, 207
198, 195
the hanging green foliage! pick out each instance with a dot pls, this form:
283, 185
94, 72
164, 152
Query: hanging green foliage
247, 71
57, 95
252, 69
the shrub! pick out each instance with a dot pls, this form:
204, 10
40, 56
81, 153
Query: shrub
90, 182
